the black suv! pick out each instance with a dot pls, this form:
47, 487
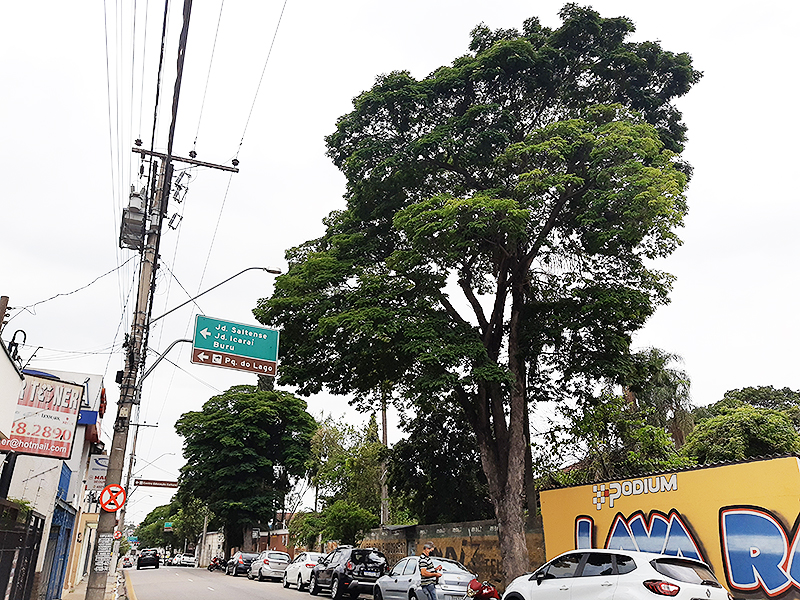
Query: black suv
347, 570
147, 558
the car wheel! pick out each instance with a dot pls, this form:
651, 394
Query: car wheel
376, 593
313, 587
260, 576
285, 580
156, 566
336, 590
300, 585
138, 567
249, 578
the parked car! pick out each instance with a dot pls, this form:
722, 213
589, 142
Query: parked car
147, 558
607, 574
299, 570
347, 570
403, 581
174, 560
270, 564
187, 560
240, 563
126, 562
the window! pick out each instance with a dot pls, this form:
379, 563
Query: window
411, 567
563, 566
625, 564
685, 571
597, 565
398, 568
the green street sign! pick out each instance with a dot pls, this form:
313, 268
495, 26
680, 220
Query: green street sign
232, 345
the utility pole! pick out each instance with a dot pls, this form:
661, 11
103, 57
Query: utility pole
103, 554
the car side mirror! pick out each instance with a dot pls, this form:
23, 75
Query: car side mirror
539, 578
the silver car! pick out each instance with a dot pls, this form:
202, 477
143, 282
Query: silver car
270, 564
402, 582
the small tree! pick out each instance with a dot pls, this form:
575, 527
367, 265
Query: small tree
305, 529
242, 450
347, 523
741, 433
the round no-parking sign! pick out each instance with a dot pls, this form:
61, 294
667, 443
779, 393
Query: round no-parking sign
112, 498
117, 535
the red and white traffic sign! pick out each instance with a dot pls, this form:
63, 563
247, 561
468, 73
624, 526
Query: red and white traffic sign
117, 535
112, 498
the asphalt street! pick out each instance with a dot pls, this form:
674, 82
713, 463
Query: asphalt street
184, 583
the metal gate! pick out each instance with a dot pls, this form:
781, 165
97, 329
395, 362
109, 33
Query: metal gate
20, 537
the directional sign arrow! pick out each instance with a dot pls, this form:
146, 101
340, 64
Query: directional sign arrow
203, 356
205, 333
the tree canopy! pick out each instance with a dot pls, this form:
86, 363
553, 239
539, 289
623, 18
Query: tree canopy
741, 433
242, 450
496, 247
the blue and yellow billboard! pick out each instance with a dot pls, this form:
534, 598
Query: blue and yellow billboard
741, 518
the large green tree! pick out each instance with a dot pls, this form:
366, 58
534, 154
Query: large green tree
502, 217
242, 451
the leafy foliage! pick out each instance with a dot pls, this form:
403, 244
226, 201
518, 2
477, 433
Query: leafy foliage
785, 400
740, 433
500, 216
305, 528
436, 473
242, 450
607, 438
348, 523
664, 390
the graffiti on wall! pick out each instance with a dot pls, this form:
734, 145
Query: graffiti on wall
760, 555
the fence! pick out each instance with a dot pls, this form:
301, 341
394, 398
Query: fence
474, 544
20, 538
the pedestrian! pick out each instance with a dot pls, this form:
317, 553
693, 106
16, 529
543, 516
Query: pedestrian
428, 574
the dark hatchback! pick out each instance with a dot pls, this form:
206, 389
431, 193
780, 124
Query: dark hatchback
147, 558
348, 570
240, 563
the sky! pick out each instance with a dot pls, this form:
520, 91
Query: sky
264, 82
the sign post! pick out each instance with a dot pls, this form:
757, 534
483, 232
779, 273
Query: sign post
236, 346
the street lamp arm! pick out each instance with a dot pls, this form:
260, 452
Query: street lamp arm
161, 357
267, 269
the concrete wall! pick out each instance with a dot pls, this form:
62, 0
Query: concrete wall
474, 544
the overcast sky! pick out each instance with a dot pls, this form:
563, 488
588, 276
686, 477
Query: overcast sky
77, 91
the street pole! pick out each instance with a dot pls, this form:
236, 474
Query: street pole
101, 561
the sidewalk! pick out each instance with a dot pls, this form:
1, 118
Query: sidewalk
112, 583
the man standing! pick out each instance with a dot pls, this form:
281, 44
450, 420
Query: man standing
428, 574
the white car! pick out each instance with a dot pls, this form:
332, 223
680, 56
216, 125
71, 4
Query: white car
617, 575
187, 560
299, 570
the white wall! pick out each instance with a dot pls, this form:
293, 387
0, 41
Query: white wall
10, 386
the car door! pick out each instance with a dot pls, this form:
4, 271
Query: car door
554, 580
326, 572
294, 567
390, 584
597, 578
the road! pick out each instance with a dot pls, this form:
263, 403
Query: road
184, 583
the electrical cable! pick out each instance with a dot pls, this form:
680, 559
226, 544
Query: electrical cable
274, 35
208, 75
95, 280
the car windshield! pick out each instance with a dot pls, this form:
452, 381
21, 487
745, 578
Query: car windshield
314, 556
449, 566
685, 571
369, 557
248, 556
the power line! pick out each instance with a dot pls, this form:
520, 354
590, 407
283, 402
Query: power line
208, 76
95, 280
269, 53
